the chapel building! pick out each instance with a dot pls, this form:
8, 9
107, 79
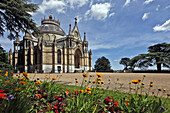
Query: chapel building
51, 51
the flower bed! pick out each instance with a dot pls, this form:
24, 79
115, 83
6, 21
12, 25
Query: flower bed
19, 94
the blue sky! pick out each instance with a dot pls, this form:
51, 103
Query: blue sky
114, 28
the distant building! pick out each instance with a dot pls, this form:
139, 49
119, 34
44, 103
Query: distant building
52, 50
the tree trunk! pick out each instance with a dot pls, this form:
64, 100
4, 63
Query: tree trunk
159, 67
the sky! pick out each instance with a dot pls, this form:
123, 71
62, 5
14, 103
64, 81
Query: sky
114, 28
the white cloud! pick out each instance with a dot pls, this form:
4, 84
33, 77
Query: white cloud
117, 60
78, 3
98, 11
127, 3
111, 14
148, 1
79, 18
157, 8
163, 27
58, 5
167, 7
145, 16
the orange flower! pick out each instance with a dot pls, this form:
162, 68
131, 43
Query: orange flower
0, 71
94, 82
18, 89
53, 78
7, 81
135, 82
99, 79
85, 75
66, 92
81, 91
98, 82
151, 85
102, 82
21, 79
23, 83
99, 75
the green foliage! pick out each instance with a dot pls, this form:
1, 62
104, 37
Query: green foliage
103, 65
158, 55
15, 16
125, 61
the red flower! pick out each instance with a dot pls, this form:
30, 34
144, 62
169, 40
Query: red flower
50, 106
56, 104
109, 100
41, 91
2, 95
38, 96
115, 104
62, 89
64, 105
109, 97
113, 100
55, 107
1, 90
59, 99
76, 92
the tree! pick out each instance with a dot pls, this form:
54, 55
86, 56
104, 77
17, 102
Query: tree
125, 61
102, 65
158, 55
15, 17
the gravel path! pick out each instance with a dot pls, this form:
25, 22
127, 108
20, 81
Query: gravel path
118, 81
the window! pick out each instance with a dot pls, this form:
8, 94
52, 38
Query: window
59, 57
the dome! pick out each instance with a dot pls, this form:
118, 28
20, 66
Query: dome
51, 26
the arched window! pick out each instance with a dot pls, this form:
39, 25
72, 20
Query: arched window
59, 57
77, 58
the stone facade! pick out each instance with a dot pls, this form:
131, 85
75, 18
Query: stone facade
52, 50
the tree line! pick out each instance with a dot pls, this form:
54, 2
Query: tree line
158, 55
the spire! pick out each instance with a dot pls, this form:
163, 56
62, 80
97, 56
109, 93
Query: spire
69, 29
84, 36
50, 17
17, 39
10, 51
90, 52
75, 21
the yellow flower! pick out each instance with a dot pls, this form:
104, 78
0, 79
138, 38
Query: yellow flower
164, 90
98, 82
0, 71
89, 92
143, 83
81, 91
85, 75
99, 75
168, 94
21, 73
38, 82
77, 81
102, 82
99, 79
88, 89
46, 77
151, 85
22, 79
51, 78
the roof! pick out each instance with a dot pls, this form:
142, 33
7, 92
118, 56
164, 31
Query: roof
51, 26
